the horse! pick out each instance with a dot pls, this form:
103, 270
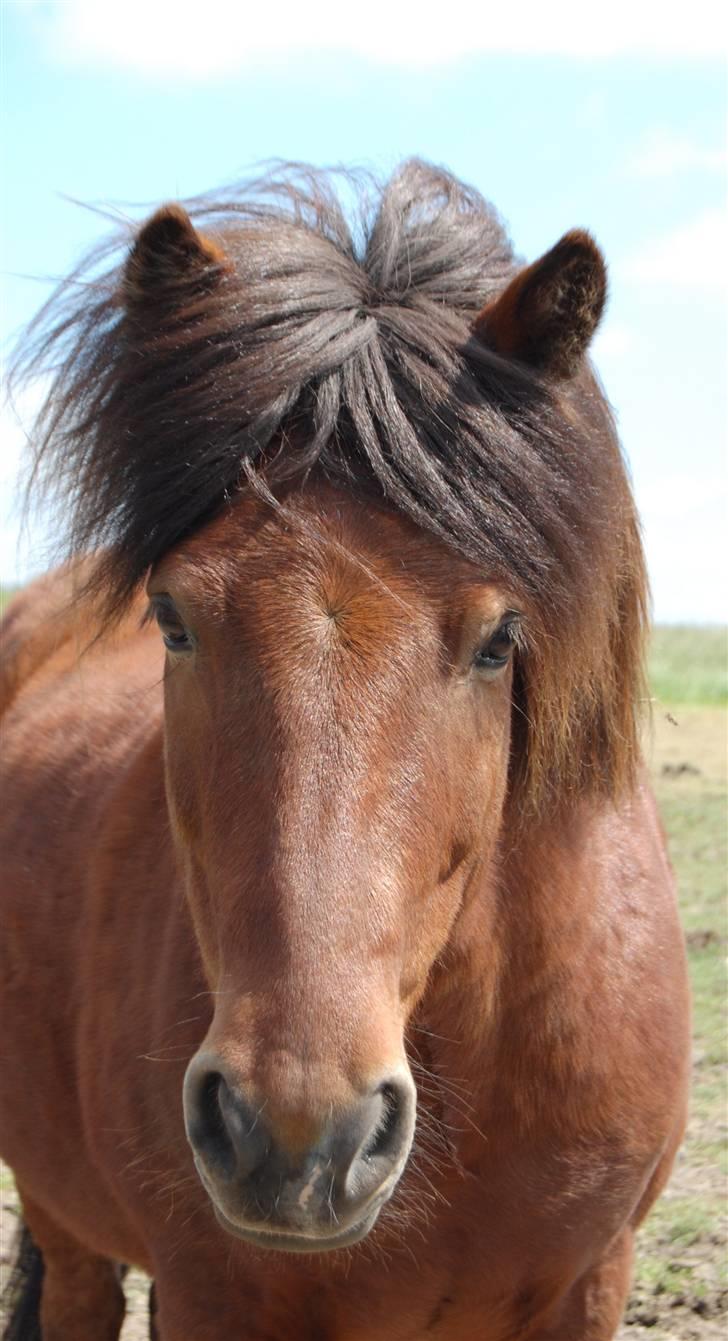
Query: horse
343, 989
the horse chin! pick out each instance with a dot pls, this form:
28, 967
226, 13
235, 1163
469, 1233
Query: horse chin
280, 1241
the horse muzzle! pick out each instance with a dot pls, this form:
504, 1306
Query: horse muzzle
325, 1195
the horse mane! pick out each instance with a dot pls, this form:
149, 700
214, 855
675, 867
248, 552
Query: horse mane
340, 342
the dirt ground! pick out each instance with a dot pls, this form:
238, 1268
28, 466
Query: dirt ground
680, 1290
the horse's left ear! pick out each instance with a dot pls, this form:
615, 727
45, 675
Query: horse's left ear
549, 312
169, 256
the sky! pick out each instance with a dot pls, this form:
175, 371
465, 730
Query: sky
563, 115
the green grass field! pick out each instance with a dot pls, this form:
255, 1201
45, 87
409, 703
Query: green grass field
681, 1278
689, 665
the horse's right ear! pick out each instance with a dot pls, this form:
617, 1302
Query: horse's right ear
168, 258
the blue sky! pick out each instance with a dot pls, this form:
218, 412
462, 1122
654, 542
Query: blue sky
558, 119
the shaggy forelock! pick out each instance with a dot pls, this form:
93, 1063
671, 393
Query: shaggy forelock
338, 341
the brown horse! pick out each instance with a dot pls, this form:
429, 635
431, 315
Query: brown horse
343, 985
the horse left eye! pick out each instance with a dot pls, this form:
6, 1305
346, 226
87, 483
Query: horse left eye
496, 652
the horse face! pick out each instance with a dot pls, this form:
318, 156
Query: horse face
337, 708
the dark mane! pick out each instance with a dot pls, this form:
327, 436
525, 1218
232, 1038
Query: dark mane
346, 349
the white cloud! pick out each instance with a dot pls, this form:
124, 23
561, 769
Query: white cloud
692, 255
664, 153
182, 38
684, 520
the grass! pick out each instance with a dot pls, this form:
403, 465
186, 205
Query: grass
681, 1278
689, 665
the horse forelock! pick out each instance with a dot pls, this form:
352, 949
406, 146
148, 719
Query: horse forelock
346, 350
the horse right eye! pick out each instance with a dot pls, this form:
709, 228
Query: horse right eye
177, 640
175, 636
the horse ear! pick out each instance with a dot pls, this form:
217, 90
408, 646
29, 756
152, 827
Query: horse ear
549, 312
170, 257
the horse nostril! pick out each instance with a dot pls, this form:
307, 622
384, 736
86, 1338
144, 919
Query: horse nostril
375, 1168
225, 1131
209, 1103
386, 1136
210, 1135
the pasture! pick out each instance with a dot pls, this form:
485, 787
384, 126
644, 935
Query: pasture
681, 1286
680, 1290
